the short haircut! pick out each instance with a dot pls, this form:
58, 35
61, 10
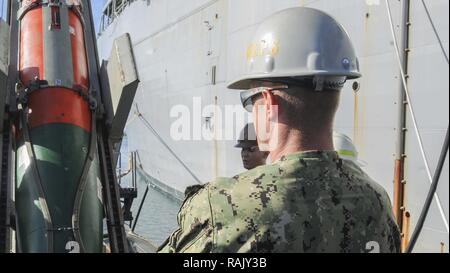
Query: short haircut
307, 110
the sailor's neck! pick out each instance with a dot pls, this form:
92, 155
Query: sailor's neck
295, 141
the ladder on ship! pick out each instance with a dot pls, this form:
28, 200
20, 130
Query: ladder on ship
5, 189
105, 143
111, 195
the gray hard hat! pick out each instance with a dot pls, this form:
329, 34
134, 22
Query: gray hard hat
247, 137
300, 44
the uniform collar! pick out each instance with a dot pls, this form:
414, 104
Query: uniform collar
325, 155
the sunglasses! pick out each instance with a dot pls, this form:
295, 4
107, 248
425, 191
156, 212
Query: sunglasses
332, 83
248, 96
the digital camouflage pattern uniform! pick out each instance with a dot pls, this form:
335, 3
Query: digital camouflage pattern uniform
306, 202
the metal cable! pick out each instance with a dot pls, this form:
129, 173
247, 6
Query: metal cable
429, 200
150, 127
435, 30
140, 208
413, 115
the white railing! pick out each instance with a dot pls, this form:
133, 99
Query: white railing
112, 10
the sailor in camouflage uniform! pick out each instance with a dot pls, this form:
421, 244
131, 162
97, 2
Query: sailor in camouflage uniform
308, 200
251, 156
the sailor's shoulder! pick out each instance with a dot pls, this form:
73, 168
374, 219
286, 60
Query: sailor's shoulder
262, 174
192, 190
196, 198
368, 186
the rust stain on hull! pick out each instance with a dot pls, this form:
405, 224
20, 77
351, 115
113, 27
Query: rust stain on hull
405, 230
398, 192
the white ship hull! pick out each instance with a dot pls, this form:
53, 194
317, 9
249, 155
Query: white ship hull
178, 42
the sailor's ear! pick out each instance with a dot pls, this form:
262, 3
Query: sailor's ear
271, 104
270, 98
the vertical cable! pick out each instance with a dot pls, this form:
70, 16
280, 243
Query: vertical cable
435, 30
413, 115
